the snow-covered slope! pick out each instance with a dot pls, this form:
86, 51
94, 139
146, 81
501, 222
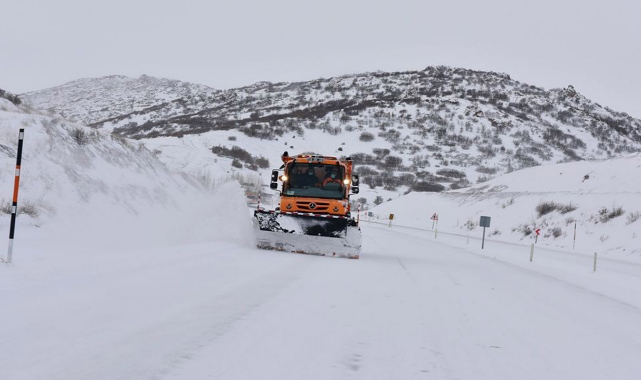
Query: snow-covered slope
438, 128
90, 100
413, 307
80, 182
603, 198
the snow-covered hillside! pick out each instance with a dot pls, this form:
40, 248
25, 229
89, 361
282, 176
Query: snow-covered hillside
186, 296
90, 100
85, 184
603, 198
435, 129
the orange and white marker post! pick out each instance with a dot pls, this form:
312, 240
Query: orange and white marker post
14, 205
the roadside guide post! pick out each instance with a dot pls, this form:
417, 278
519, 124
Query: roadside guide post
485, 222
14, 205
531, 252
434, 219
574, 242
435, 224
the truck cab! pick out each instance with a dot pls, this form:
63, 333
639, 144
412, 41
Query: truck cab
315, 184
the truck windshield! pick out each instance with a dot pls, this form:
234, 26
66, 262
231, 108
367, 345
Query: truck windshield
315, 180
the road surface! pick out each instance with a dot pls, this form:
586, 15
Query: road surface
410, 308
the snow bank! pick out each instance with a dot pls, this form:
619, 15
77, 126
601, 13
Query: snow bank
82, 187
512, 200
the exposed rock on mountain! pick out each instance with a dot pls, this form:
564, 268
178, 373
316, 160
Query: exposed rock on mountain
429, 130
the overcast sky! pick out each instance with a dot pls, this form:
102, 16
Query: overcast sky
593, 45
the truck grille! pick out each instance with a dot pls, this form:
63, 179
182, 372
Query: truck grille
320, 206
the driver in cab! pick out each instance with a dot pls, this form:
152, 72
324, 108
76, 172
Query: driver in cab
305, 178
332, 177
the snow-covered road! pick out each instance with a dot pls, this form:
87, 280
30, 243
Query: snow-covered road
410, 308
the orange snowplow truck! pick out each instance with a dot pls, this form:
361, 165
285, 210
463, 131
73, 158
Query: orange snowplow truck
314, 201
316, 184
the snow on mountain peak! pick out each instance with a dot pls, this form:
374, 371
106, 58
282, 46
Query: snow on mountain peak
436, 129
90, 100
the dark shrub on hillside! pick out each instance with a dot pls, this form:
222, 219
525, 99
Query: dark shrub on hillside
380, 153
564, 209
406, 179
10, 97
237, 164
262, 162
364, 159
460, 184
234, 152
557, 231
392, 162
366, 136
80, 136
546, 208
364, 171
391, 135
451, 173
427, 187
486, 170
523, 160
606, 215
241, 155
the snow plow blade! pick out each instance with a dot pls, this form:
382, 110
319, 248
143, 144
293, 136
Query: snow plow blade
307, 233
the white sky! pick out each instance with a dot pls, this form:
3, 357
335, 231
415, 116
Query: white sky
593, 45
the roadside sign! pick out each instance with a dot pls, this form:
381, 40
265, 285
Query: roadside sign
391, 216
434, 217
485, 222
538, 231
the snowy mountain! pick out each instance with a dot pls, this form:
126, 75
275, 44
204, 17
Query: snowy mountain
601, 197
125, 270
430, 130
91, 100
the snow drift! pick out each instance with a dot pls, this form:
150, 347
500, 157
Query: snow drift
82, 185
603, 198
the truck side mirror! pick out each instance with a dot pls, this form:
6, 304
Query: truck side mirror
355, 188
274, 180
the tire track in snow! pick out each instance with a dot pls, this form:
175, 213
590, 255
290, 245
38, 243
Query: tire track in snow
481, 283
